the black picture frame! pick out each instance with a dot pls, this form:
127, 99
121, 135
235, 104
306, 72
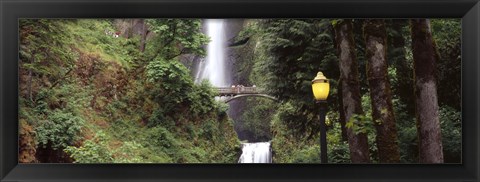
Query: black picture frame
11, 11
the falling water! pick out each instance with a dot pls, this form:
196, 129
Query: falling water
256, 153
213, 68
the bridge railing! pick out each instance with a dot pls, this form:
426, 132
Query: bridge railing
238, 90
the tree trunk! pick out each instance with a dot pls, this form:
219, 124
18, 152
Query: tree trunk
341, 112
30, 80
143, 40
377, 76
29, 84
428, 124
358, 144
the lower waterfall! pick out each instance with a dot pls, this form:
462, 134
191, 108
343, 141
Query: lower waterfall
256, 153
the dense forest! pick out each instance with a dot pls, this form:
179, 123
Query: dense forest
124, 91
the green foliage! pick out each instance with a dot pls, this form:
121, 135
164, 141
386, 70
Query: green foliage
290, 149
40, 56
60, 130
307, 155
90, 37
167, 74
174, 90
337, 150
129, 152
174, 33
407, 132
451, 125
222, 108
335, 22
56, 118
256, 119
289, 145
45, 54
172, 83
338, 153
92, 151
291, 52
162, 138
101, 100
447, 35
360, 124
201, 99
170, 77
97, 150
209, 130
400, 61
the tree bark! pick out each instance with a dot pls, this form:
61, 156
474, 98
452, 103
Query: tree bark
380, 93
143, 40
428, 125
341, 112
30, 80
358, 143
29, 84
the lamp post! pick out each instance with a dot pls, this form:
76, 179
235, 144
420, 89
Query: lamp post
320, 88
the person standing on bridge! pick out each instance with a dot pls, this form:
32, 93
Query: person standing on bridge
238, 88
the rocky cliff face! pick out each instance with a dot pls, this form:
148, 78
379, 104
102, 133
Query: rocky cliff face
129, 28
241, 59
233, 28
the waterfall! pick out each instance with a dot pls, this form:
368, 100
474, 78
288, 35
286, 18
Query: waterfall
213, 67
256, 153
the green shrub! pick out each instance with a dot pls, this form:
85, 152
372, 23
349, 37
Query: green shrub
60, 129
92, 151
97, 150
201, 98
308, 154
451, 124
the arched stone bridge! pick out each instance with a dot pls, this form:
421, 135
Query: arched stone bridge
238, 92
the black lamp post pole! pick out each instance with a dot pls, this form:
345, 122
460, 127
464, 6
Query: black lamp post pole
323, 132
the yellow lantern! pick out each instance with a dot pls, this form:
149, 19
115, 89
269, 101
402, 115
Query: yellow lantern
320, 87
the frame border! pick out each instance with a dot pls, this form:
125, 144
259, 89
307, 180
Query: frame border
11, 11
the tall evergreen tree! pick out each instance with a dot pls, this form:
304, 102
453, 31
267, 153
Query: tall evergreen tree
358, 143
377, 76
425, 57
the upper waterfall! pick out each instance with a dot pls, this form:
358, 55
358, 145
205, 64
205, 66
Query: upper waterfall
213, 68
